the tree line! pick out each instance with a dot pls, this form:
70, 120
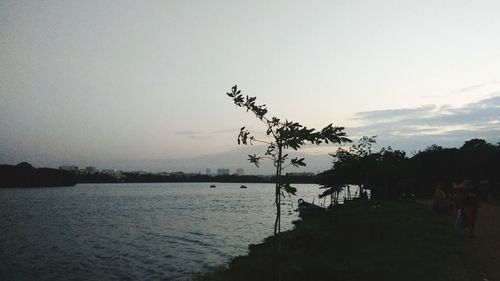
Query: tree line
390, 173
25, 175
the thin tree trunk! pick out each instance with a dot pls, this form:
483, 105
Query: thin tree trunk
277, 222
277, 200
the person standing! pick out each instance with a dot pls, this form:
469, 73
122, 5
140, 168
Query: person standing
458, 194
471, 203
458, 203
441, 204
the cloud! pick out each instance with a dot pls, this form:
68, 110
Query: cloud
471, 88
231, 159
226, 131
392, 115
433, 124
408, 129
470, 91
188, 133
202, 135
193, 135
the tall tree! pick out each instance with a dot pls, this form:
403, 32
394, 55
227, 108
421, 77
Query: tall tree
350, 166
359, 165
280, 137
358, 158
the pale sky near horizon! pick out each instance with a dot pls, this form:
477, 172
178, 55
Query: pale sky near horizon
141, 84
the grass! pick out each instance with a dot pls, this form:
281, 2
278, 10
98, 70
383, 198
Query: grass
362, 241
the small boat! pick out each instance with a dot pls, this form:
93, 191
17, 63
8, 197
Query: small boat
212, 186
243, 186
308, 208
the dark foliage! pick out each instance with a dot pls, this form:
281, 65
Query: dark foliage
391, 174
25, 175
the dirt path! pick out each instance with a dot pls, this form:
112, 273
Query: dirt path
487, 240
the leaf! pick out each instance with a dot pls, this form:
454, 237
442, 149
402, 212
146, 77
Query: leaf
254, 159
298, 162
243, 136
289, 189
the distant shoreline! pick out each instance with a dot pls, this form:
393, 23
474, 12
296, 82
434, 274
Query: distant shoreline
154, 178
25, 175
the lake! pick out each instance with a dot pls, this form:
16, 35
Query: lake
153, 231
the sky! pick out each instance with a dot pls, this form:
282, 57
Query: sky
140, 85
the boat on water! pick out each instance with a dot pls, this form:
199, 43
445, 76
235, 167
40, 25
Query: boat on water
308, 208
212, 186
243, 186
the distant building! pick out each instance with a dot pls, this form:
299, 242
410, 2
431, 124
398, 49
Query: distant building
223, 172
90, 169
239, 172
69, 168
114, 173
208, 172
139, 172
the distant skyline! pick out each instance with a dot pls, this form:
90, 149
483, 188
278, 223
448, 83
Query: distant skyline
141, 85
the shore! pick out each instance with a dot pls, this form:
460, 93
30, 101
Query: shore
487, 240
397, 240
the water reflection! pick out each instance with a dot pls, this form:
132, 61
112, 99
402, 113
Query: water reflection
134, 231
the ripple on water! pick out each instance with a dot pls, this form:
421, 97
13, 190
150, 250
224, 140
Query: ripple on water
132, 231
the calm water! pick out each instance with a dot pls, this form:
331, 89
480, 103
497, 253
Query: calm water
166, 231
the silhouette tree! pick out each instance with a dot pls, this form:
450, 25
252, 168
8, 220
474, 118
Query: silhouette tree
281, 136
358, 158
382, 172
350, 166
389, 173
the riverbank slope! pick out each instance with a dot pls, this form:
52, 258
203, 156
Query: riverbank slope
363, 241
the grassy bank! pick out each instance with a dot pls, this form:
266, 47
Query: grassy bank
363, 241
